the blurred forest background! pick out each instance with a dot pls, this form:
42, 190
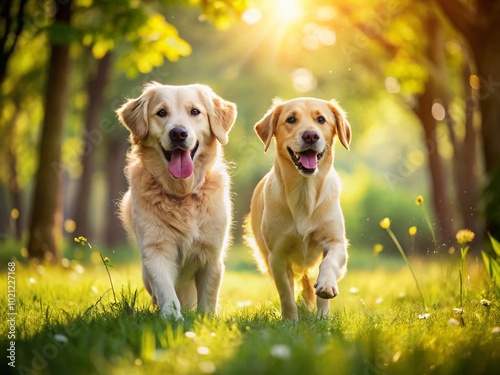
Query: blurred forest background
420, 81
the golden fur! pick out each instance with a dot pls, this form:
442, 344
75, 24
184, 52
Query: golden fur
295, 224
181, 223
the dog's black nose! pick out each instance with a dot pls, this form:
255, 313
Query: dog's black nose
310, 136
178, 134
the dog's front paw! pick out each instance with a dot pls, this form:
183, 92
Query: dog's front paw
171, 312
326, 288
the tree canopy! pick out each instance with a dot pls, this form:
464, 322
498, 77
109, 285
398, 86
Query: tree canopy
419, 81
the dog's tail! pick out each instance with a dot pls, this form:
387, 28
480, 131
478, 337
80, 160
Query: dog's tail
249, 240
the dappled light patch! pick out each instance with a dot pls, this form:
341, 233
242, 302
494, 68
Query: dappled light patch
281, 351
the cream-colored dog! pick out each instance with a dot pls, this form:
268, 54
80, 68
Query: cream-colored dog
178, 203
295, 224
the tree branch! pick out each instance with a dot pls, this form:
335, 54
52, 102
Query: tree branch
464, 18
6, 53
374, 34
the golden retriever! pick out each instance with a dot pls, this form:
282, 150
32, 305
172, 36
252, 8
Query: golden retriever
178, 204
295, 224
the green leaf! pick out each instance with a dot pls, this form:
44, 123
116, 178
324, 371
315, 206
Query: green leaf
148, 344
464, 252
495, 244
61, 33
496, 270
487, 262
493, 268
101, 47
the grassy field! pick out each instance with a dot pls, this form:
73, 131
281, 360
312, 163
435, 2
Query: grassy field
67, 322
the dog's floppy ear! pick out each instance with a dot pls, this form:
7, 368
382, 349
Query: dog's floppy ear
223, 118
221, 114
133, 114
342, 126
266, 127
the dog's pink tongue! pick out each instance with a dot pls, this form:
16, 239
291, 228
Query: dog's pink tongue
308, 159
181, 164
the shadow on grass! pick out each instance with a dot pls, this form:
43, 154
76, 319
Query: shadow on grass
132, 338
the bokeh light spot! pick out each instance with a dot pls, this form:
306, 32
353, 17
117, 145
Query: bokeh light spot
303, 80
251, 16
392, 85
474, 82
438, 111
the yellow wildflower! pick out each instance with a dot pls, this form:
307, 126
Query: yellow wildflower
464, 236
419, 200
385, 223
412, 230
377, 248
81, 240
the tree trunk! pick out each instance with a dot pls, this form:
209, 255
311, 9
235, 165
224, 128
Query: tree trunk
467, 169
4, 214
46, 213
478, 22
14, 225
434, 91
16, 193
440, 194
488, 66
117, 185
92, 137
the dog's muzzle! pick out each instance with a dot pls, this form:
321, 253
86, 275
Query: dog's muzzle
180, 159
306, 161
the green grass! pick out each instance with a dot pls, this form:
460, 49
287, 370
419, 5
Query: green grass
67, 323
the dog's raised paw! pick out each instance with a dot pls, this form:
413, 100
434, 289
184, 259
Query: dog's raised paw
326, 290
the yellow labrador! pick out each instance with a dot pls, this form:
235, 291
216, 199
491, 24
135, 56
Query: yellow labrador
178, 204
295, 224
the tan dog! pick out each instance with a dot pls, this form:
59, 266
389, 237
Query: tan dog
178, 203
295, 225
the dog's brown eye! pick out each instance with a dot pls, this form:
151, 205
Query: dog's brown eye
321, 120
161, 113
195, 112
291, 119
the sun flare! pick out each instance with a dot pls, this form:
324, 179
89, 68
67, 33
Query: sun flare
289, 10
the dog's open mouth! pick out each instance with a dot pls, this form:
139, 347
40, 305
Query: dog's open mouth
306, 161
180, 161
